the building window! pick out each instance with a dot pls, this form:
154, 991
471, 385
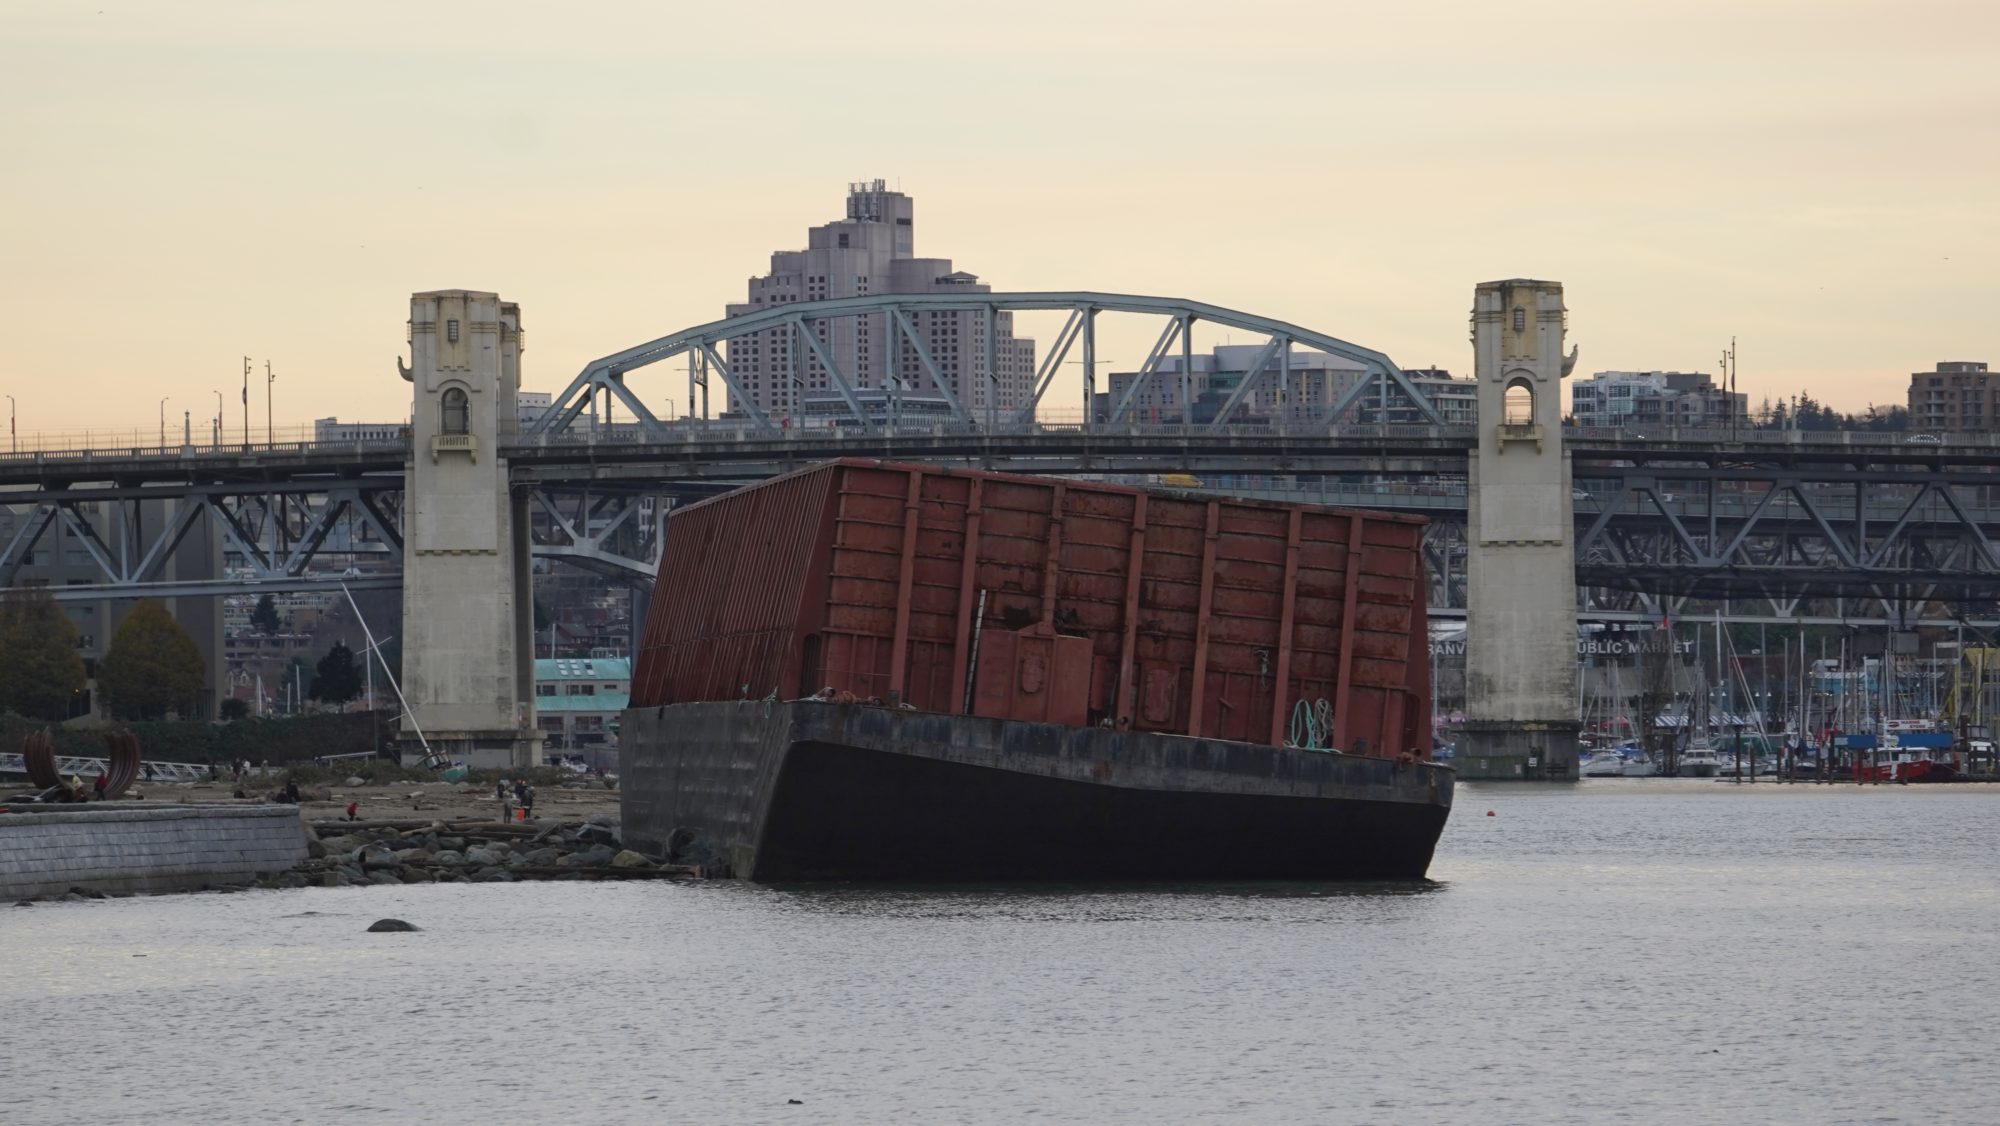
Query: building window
451, 331
1520, 320
456, 411
1519, 404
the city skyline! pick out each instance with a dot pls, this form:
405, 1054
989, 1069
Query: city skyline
258, 181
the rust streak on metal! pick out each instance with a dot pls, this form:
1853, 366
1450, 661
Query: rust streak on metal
1204, 609
1282, 676
1053, 565
968, 579
899, 645
1349, 627
1125, 706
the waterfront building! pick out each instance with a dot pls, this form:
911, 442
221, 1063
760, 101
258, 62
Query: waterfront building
1958, 396
578, 699
1664, 399
872, 250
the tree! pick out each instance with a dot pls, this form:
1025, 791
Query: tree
233, 709
152, 667
1656, 692
265, 616
336, 679
41, 673
1886, 419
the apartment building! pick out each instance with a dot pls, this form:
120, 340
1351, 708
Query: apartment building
1958, 395
872, 250
1663, 399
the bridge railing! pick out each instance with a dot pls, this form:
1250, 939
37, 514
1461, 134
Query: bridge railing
1750, 436
66, 456
69, 448
691, 432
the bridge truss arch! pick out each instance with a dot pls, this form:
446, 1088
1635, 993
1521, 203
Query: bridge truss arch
702, 348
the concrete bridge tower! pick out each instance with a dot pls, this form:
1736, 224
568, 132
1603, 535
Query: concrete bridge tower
468, 604
1520, 637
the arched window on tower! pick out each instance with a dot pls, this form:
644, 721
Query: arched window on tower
1518, 408
455, 412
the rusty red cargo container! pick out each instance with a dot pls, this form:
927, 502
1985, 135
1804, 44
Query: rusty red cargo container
1032, 598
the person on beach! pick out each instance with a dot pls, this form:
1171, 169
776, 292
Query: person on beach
352, 807
528, 803
99, 785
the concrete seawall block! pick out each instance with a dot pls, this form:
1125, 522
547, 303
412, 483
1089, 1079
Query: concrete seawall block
128, 847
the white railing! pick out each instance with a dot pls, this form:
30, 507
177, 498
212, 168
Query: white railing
86, 768
64, 447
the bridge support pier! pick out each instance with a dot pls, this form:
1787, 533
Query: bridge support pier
1520, 636
468, 594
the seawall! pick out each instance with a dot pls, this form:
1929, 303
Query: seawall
128, 847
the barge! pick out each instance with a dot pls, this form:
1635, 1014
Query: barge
871, 670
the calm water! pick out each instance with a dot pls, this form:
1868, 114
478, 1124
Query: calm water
1627, 951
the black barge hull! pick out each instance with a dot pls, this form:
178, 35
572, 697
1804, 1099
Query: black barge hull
821, 791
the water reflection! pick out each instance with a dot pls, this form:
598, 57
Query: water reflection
1651, 954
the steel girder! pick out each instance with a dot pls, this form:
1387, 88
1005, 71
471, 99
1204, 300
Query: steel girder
118, 545
607, 374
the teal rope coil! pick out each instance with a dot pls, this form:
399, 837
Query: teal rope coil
1312, 725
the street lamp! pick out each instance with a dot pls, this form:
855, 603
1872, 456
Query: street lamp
269, 378
218, 418
163, 420
13, 439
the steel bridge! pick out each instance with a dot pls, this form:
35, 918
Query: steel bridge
1807, 525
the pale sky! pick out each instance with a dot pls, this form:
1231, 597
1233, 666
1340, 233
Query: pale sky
183, 184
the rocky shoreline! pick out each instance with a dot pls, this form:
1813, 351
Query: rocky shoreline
359, 853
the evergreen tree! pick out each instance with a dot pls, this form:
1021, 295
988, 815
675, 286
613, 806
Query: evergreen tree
233, 709
265, 616
152, 667
41, 673
337, 679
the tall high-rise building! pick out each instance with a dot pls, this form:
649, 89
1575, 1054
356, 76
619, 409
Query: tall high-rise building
873, 251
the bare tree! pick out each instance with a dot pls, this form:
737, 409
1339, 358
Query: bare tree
1656, 691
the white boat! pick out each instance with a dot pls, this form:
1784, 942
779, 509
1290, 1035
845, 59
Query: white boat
1699, 762
1603, 764
1640, 767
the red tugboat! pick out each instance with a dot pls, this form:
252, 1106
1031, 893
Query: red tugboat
1909, 754
869, 670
